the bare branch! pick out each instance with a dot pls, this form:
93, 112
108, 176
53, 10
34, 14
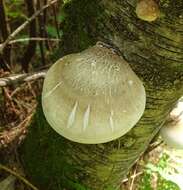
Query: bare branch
20, 78
9, 135
21, 27
132, 177
34, 39
18, 176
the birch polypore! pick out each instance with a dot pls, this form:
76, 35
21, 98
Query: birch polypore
92, 97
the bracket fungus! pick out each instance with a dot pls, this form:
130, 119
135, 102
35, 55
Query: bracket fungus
92, 97
147, 10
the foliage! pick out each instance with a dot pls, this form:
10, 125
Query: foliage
166, 179
14, 10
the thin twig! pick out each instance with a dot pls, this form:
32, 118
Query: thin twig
20, 78
131, 177
34, 39
25, 181
8, 97
21, 27
8, 136
153, 146
31, 89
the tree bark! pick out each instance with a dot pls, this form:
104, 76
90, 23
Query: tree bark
154, 51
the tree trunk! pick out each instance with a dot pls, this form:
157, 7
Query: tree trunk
154, 51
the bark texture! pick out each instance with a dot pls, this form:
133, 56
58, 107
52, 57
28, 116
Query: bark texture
154, 51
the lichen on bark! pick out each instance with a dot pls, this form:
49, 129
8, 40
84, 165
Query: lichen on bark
154, 51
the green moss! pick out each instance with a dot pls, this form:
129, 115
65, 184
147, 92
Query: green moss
171, 9
78, 34
104, 171
50, 167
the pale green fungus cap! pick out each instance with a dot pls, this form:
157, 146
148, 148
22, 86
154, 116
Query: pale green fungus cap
92, 97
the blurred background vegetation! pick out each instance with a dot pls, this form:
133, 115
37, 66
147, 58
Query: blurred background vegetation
33, 48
